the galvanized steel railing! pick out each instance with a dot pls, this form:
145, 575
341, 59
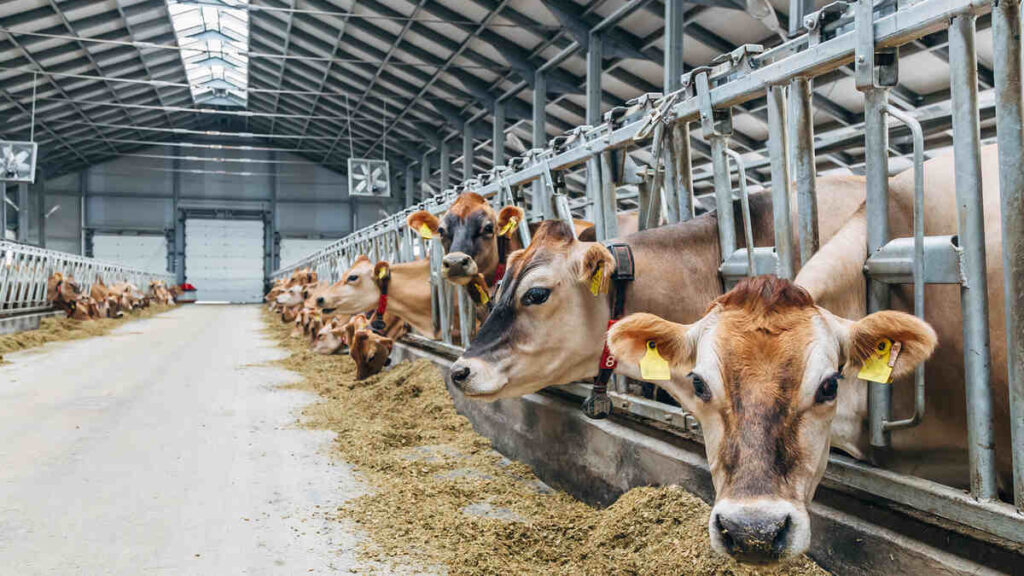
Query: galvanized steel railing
25, 269
868, 36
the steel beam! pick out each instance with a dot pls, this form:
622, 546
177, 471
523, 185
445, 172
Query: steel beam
498, 134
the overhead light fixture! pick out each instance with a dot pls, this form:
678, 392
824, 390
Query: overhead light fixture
216, 35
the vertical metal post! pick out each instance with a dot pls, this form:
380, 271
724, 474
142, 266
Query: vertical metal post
541, 203
596, 184
717, 126
876, 165
467, 152
41, 194
777, 149
445, 161
498, 134
971, 229
24, 212
678, 177
674, 24
424, 173
179, 219
83, 192
797, 10
270, 228
410, 186
3, 211
1007, 64
802, 130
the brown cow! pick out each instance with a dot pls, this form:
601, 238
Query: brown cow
408, 292
761, 371
61, 291
370, 352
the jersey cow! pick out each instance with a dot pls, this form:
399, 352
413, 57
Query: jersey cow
547, 326
761, 372
408, 292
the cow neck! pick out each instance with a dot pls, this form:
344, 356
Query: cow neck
620, 278
499, 271
409, 294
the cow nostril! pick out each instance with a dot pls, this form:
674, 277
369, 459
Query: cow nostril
320, 301
754, 537
724, 532
459, 374
781, 535
465, 260
446, 264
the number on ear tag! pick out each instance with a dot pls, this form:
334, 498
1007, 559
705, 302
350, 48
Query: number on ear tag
652, 365
509, 227
425, 232
596, 279
878, 366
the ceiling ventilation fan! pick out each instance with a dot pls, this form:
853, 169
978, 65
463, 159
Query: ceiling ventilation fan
368, 178
17, 161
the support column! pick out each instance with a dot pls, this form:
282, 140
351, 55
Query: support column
410, 186
467, 152
445, 161
83, 229
541, 203
595, 185
498, 134
270, 227
777, 151
41, 201
24, 212
3, 211
179, 219
424, 174
674, 24
1006, 31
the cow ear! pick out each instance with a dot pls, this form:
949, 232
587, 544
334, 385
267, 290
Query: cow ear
381, 272
595, 268
628, 340
509, 219
916, 338
423, 223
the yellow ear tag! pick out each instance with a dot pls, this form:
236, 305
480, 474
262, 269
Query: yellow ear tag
425, 232
652, 365
484, 297
878, 367
596, 278
509, 227
383, 273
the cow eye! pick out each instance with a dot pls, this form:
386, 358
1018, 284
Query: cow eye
536, 296
700, 387
352, 279
488, 229
828, 389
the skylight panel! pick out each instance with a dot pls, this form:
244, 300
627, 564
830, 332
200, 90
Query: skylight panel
214, 36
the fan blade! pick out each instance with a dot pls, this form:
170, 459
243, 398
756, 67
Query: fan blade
20, 157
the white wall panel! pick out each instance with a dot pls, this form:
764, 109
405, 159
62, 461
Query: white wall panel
294, 249
143, 252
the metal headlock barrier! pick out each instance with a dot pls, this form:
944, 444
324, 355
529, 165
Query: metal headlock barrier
868, 36
25, 269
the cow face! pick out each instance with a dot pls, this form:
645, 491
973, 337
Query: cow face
356, 291
763, 372
293, 296
329, 339
469, 234
370, 352
548, 320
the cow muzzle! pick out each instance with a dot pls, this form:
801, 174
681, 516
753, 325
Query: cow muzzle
760, 531
476, 378
458, 267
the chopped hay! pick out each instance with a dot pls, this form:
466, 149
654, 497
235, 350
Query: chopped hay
59, 328
443, 497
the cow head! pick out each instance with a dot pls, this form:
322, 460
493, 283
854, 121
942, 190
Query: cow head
469, 233
548, 320
62, 289
293, 296
356, 292
370, 352
763, 372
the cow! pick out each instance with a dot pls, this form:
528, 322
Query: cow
472, 234
408, 297
764, 371
337, 334
371, 352
61, 291
526, 344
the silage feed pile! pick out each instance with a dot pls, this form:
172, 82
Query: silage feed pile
59, 328
443, 501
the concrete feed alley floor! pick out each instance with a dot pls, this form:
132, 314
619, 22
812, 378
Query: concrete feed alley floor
165, 448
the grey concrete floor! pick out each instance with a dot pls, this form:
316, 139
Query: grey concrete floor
162, 448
